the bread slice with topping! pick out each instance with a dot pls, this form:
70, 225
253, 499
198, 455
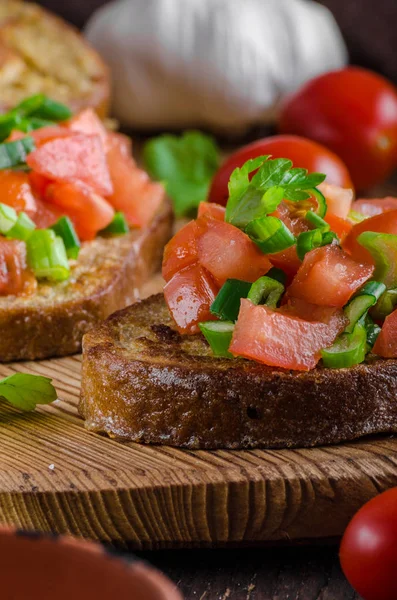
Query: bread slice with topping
106, 277
144, 382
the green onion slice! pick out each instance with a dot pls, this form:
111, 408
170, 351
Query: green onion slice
362, 302
219, 336
226, 305
118, 226
307, 241
46, 255
321, 202
383, 249
13, 154
43, 107
277, 274
22, 229
348, 350
385, 305
356, 217
373, 330
317, 221
267, 291
329, 237
8, 218
64, 228
270, 234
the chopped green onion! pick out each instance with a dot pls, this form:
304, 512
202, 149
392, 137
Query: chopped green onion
8, 123
64, 229
46, 255
8, 218
321, 202
22, 229
226, 305
385, 305
348, 350
383, 249
270, 234
277, 274
373, 330
362, 302
13, 154
307, 241
356, 217
118, 226
329, 237
267, 291
44, 108
219, 335
317, 221
28, 125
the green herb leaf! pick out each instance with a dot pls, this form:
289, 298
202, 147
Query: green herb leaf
25, 391
185, 164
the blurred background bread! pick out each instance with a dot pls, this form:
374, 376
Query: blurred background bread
39, 52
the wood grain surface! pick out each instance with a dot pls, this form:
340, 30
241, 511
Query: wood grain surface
55, 476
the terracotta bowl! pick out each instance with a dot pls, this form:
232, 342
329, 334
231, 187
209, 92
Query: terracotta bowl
38, 567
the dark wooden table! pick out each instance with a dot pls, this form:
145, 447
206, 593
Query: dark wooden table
283, 573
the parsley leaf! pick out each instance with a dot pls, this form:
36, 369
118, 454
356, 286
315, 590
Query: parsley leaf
186, 164
25, 391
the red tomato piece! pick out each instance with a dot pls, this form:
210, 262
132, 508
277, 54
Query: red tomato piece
368, 548
277, 339
39, 183
341, 227
15, 191
88, 123
42, 135
181, 250
216, 211
374, 206
328, 277
189, 295
287, 260
386, 342
89, 212
228, 253
75, 158
121, 141
359, 124
13, 269
383, 223
304, 153
134, 193
312, 312
339, 200
46, 214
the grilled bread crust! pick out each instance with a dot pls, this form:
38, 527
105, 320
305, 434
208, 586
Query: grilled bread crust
145, 383
106, 277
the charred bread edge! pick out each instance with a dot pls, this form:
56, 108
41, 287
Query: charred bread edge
205, 402
57, 330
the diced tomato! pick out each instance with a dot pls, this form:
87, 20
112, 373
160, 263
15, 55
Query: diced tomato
328, 277
340, 226
216, 211
46, 214
89, 212
312, 312
287, 260
383, 223
228, 253
133, 192
181, 250
42, 135
14, 276
281, 340
189, 295
15, 191
39, 183
75, 158
88, 123
386, 342
374, 206
293, 218
121, 141
339, 200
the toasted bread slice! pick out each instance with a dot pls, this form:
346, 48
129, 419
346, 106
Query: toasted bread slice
107, 276
40, 53
144, 382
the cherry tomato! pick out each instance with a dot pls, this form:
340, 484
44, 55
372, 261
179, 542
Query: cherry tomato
368, 551
216, 211
354, 113
303, 153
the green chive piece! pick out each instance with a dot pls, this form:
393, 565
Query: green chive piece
118, 226
46, 255
317, 221
307, 241
34, 123
42, 107
22, 229
270, 234
359, 305
13, 154
348, 350
277, 274
64, 229
8, 218
219, 336
266, 291
329, 237
226, 305
373, 330
383, 249
321, 202
385, 305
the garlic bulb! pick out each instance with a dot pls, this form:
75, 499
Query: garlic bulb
217, 64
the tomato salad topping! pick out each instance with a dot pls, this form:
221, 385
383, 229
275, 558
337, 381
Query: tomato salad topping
290, 273
64, 180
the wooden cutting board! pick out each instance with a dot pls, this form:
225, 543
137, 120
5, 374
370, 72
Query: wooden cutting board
55, 476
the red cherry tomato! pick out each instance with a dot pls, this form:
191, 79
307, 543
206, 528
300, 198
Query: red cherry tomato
303, 153
368, 551
354, 113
